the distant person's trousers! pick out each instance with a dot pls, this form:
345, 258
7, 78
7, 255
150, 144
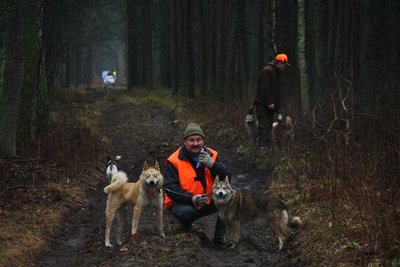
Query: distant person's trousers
265, 117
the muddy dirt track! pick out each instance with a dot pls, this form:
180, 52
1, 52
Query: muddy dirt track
138, 132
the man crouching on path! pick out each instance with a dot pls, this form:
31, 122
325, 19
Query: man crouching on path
188, 180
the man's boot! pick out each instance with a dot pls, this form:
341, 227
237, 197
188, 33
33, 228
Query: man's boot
219, 234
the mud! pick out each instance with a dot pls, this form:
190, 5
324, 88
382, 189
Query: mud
138, 132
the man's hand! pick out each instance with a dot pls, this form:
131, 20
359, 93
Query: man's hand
205, 158
271, 106
200, 200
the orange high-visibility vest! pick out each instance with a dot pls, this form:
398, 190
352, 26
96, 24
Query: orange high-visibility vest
187, 174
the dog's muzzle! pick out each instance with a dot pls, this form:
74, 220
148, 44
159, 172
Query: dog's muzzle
152, 188
219, 197
249, 118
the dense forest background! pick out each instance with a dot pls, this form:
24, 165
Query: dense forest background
341, 89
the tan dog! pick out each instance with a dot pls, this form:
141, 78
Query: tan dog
235, 207
282, 135
145, 192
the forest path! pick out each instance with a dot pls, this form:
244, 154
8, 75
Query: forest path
138, 132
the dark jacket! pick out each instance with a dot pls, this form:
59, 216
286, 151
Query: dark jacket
171, 178
268, 89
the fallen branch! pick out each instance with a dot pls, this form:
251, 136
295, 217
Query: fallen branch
12, 188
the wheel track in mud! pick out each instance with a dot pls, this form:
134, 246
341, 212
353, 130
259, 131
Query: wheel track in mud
138, 132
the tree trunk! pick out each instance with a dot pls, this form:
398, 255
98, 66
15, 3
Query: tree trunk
212, 62
11, 66
189, 82
203, 58
301, 33
368, 54
243, 53
132, 75
174, 49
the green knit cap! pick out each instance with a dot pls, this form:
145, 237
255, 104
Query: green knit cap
193, 129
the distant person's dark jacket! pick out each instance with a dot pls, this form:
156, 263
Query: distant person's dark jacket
268, 89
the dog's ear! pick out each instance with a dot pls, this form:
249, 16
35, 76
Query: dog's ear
145, 165
226, 179
216, 180
227, 182
156, 165
117, 157
108, 159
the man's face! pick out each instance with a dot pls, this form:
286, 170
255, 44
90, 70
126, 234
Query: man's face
281, 65
194, 143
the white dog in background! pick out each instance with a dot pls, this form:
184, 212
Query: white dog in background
112, 167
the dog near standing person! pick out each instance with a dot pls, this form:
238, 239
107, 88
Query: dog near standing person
267, 97
188, 179
251, 124
235, 207
112, 167
282, 134
147, 192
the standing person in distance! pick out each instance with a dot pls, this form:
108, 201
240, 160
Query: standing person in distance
267, 98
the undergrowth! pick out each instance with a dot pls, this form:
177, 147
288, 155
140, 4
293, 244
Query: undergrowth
47, 181
346, 191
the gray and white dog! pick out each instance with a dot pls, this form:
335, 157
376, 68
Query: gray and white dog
251, 124
235, 207
112, 167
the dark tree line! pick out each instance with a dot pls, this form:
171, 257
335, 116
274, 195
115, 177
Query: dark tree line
216, 48
23, 87
198, 47
46, 45
77, 34
210, 48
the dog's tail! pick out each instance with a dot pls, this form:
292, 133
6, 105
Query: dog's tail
295, 221
117, 181
291, 221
